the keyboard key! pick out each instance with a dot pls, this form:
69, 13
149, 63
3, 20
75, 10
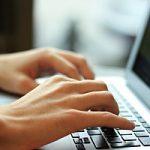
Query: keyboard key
137, 115
81, 130
125, 115
93, 132
125, 144
109, 135
141, 120
141, 134
131, 119
109, 132
128, 137
115, 140
77, 141
148, 130
134, 111
99, 142
124, 111
121, 107
80, 147
83, 134
125, 132
146, 125
138, 129
145, 141
136, 123
86, 140
92, 128
75, 135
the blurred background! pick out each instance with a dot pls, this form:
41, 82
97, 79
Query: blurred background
102, 30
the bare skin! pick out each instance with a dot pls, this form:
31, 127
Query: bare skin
60, 104
55, 108
19, 70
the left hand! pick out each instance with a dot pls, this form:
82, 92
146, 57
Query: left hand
19, 70
55, 109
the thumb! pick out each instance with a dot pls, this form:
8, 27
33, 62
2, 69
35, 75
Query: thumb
25, 84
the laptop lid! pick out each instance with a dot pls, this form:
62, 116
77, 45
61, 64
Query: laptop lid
138, 68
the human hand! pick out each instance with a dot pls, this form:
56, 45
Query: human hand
19, 70
55, 109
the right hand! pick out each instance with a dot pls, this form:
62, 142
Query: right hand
55, 109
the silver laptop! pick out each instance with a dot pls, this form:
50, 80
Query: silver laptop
133, 96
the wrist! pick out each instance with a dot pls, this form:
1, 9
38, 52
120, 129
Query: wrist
3, 122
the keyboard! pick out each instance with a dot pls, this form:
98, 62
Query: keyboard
108, 138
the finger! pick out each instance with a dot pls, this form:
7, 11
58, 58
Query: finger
63, 66
59, 79
82, 120
86, 86
80, 62
25, 84
19, 83
99, 100
105, 119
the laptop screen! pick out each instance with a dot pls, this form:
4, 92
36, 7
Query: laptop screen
142, 63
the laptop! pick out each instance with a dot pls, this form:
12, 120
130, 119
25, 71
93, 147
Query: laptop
132, 93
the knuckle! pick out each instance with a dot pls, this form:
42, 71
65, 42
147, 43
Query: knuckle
72, 87
58, 78
50, 53
75, 117
107, 116
73, 113
65, 86
82, 59
45, 51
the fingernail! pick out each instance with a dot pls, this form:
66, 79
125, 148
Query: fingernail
133, 125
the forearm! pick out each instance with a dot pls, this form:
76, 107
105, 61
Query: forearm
4, 134
4, 124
